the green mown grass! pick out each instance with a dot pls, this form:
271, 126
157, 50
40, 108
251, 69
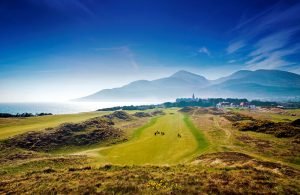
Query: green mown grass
146, 148
199, 136
201, 140
13, 126
142, 148
137, 133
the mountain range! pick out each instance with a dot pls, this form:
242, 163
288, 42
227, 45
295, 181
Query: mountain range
259, 84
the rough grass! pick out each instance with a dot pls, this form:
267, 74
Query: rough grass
180, 179
275, 115
211, 157
280, 129
223, 137
92, 131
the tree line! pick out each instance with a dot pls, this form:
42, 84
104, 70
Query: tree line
214, 101
25, 114
210, 102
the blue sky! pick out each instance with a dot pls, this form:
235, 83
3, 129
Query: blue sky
54, 50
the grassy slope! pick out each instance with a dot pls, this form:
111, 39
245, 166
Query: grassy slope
223, 138
183, 179
73, 174
12, 126
146, 148
285, 115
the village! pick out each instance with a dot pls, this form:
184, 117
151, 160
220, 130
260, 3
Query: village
232, 105
219, 102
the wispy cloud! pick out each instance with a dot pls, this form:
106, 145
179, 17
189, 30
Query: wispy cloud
204, 50
268, 46
273, 42
248, 21
124, 50
270, 51
273, 60
63, 6
231, 61
269, 19
233, 47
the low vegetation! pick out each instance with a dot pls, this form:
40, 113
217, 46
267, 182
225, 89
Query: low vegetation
157, 112
88, 132
279, 129
161, 151
199, 110
8, 115
141, 114
235, 174
212, 102
142, 107
121, 115
234, 117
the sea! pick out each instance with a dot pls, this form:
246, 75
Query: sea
62, 107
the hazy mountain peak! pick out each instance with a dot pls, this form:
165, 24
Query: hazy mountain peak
184, 73
243, 83
243, 72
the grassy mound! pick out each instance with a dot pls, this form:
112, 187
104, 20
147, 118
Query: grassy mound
157, 112
280, 129
239, 160
201, 110
296, 123
68, 134
141, 114
187, 109
11, 154
231, 116
234, 117
120, 115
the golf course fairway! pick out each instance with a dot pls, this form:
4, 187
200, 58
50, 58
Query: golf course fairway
180, 141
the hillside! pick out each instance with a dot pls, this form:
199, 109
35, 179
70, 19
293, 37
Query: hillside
246, 84
178, 84
188, 151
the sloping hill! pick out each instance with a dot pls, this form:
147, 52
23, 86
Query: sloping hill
274, 78
178, 84
244, 83
259, 84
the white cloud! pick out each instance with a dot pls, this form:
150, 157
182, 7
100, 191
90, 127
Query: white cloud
204, 50
231, 61
233, 47
273, 42
62, 6
256, 59
270, 51
273, 60
274, 46
279, 13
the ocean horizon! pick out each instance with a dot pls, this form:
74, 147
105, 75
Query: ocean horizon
61, 107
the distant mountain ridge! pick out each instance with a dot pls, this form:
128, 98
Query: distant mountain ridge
243, 83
